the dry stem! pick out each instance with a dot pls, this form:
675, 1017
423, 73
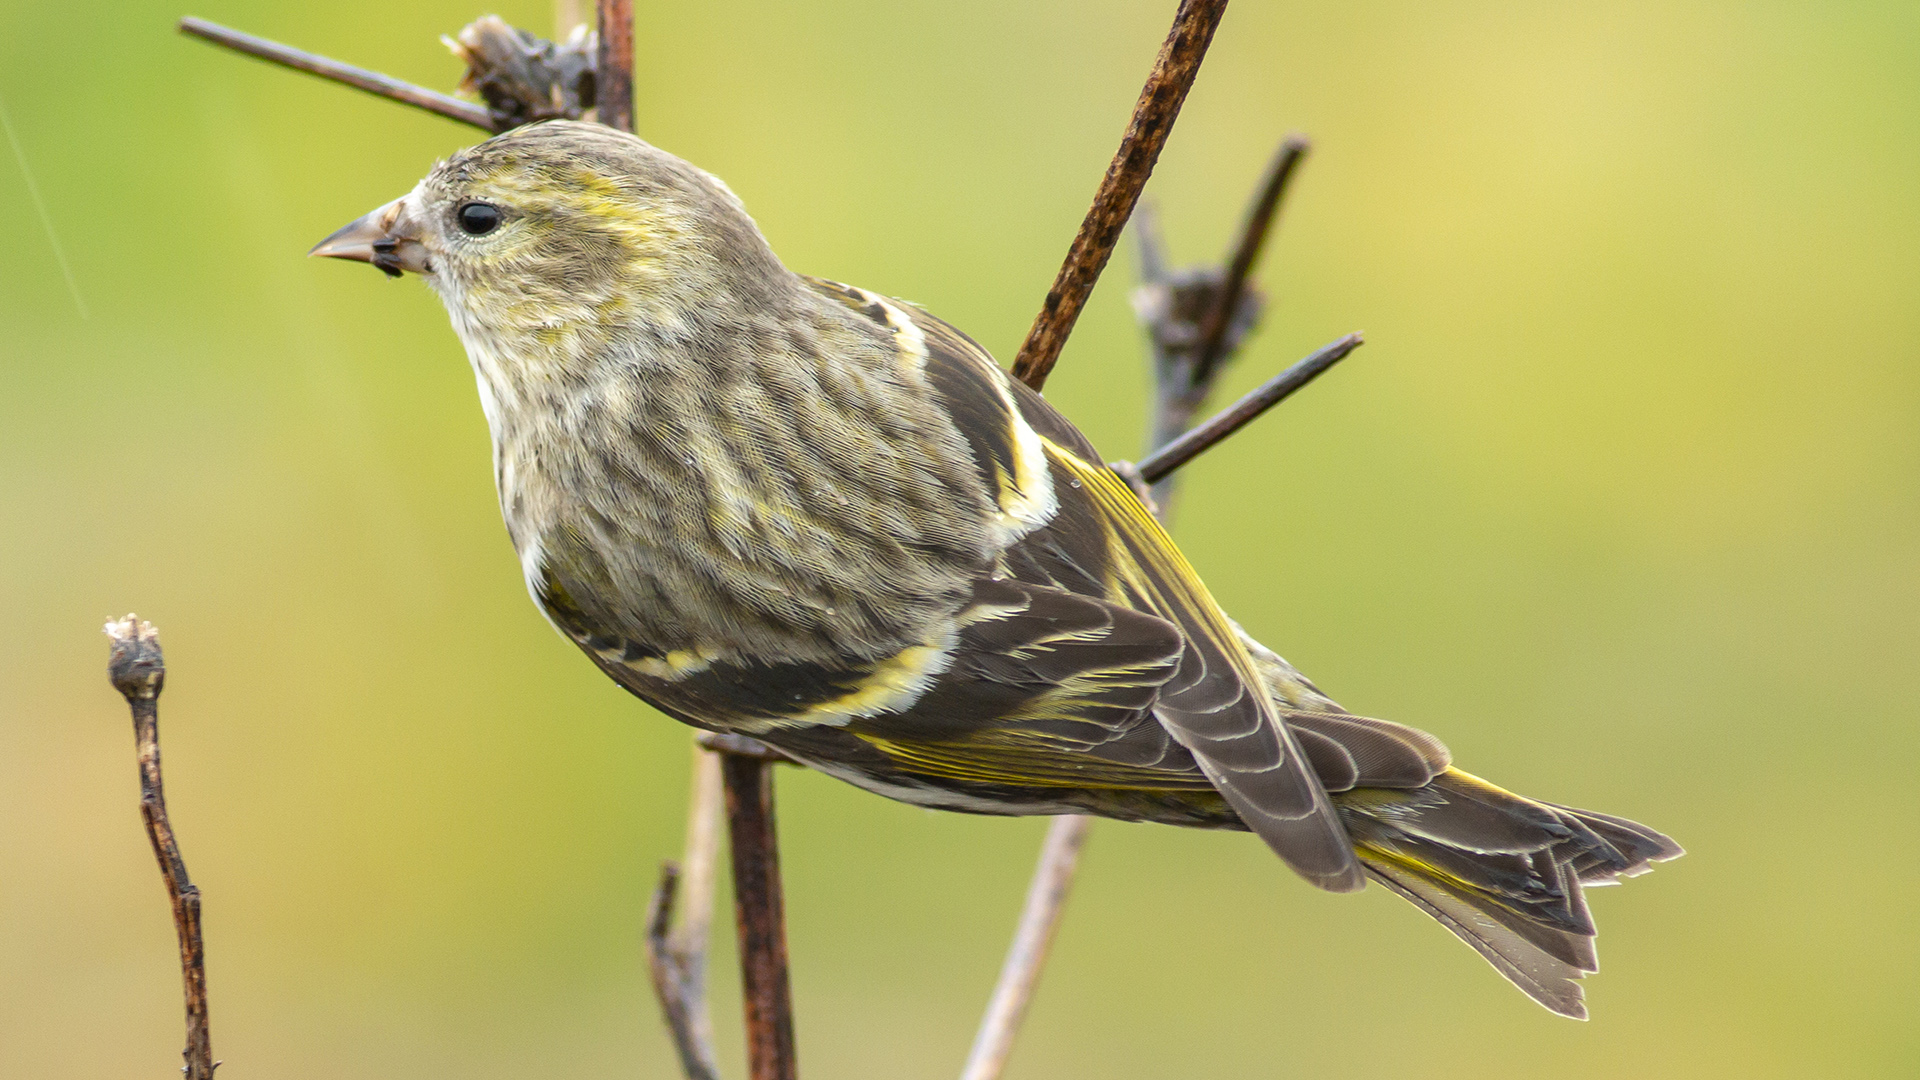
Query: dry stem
1157, 466
1253, 235
360, 78
760, 915
138, 670
677, 956
1039, 918
613, 74
1153, 116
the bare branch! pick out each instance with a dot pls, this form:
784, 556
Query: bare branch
1153, 116
138, 670
613, 74
1161, 463
677, 956
759, 912
327, 68
1046, 901
700, 863
1260, 217
1196, 318
678, 988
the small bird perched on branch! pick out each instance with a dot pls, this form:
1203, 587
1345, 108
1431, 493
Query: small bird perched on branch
788, 508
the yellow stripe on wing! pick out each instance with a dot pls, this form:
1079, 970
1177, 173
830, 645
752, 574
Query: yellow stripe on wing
1026, 759
1147, 562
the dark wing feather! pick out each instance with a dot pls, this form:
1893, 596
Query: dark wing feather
1046, 689
1102, 541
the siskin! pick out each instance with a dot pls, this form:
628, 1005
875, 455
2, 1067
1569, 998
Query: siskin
784, 507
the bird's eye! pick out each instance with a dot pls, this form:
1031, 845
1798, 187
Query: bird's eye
478, 218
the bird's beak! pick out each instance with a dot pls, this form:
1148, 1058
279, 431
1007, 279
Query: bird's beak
388, 238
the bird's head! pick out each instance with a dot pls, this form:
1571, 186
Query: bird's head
562, 236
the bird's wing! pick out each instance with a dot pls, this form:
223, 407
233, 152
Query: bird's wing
1074, 525
1089, 658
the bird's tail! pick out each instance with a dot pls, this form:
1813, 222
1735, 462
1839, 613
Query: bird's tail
1503, 872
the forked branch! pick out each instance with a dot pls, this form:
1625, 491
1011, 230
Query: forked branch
1212, 332
677, 955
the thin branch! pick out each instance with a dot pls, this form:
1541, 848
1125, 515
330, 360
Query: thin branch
700, 864
1046, 901
1153, 116
138, 670
1260, 217
1196, 319
759, 913
671, 982
1161, 463
359, 78
677, 956
613, 73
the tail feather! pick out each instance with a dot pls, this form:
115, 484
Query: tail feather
1507, 874
1638, 845
1504, 873
1550, 981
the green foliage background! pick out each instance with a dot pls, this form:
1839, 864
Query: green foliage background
1620, 500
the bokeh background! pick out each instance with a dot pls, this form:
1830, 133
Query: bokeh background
1620, 499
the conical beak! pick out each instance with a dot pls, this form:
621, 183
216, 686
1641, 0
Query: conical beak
387, 238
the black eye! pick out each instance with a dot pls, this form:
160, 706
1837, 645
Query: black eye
478, 218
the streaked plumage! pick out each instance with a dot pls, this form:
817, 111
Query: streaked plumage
794, 509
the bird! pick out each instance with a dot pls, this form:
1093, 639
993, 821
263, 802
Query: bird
779, 506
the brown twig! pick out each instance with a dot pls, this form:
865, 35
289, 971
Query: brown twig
677, 983
1171, 306
1020, 973
1253, 235
138, 670
1153, 116
359, 78
613, 74
760, 915
1196, 319
700, 862
677, 955
1158, 465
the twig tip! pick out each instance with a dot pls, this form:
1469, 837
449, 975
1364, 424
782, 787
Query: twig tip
135, 664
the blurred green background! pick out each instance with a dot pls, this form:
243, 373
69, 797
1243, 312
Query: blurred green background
1620, 500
